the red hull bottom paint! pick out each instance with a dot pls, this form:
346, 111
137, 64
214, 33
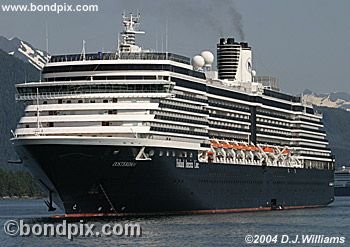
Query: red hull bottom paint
210, 211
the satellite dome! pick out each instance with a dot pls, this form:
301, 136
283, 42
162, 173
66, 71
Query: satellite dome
198, 61
208, 57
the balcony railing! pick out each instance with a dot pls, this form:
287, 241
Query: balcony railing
94, 94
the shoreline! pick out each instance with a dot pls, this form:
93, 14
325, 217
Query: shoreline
4, 198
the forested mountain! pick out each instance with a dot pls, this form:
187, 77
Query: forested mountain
12, 71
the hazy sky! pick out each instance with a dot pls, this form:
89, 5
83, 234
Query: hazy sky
305, 43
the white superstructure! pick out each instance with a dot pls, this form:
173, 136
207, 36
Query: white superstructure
140, 98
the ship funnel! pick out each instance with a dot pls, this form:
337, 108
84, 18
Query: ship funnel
234, 60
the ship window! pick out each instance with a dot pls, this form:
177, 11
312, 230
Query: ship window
105, 101
115, 100
59, 101
27, 125
45, 103
160, 153
92, 101
68, 102
167, 153
50, 124
112, 111
105, 123
80, 101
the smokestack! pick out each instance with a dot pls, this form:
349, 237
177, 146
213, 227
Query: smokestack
222, 41
228, 59
234, 60
244, 45
230, 41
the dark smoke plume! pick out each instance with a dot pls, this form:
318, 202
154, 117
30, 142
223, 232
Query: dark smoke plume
236, 18
221, 16
228, 8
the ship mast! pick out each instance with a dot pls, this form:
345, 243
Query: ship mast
130, 29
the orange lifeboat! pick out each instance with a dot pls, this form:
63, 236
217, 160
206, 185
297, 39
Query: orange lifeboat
268, 149
253, 148
245, 147
215, 144
286, 151
239, 147
210, 153
225, 145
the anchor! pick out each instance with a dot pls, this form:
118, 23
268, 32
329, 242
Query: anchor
49, 203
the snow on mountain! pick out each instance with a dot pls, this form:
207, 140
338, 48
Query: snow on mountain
332, 100
24, 51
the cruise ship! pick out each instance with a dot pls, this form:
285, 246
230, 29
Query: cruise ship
142, 132
342, 181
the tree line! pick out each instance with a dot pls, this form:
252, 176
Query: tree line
18, 183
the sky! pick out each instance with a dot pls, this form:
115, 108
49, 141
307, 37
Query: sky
304, 43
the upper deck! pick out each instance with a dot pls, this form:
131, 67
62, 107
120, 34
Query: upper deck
123, 56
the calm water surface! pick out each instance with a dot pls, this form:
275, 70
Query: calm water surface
196, 230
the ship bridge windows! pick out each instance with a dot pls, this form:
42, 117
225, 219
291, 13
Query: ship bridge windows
102, 78
123, 67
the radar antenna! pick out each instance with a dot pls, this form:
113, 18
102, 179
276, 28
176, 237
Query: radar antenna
127, 42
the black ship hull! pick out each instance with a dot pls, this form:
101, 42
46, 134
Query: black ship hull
98, 179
